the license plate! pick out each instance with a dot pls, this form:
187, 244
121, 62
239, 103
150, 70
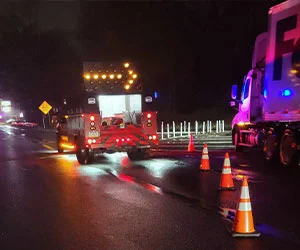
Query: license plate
93, 133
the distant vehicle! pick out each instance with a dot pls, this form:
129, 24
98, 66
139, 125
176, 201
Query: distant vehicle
23, 123
17, 123
107, 116
269, 110
30, 124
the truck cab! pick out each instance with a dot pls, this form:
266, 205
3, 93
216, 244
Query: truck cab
250, 104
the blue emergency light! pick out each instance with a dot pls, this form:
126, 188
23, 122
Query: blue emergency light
265, 93
286, 92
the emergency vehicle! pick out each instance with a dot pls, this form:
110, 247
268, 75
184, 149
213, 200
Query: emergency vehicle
108, 115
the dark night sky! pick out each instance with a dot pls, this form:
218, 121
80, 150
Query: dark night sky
191, 52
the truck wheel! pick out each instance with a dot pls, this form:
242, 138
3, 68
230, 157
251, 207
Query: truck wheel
288, 148
236, 140
270, 146
136, 154
90, 156
84, 156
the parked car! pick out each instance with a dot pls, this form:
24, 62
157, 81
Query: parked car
23, 123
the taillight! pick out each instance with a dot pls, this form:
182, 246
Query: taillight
149, 122
152, 137
90, 141
122, 139
92, 123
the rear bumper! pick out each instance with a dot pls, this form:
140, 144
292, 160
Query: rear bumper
118, 148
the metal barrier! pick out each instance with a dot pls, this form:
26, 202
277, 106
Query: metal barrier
184, 129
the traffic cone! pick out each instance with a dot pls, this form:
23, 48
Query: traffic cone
191, 146
243, 225
226, 182
205, 166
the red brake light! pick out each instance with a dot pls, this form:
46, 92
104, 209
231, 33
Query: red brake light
148, 115
92, 118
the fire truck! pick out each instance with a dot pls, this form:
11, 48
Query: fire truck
108, 115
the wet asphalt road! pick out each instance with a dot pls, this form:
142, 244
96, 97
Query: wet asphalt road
48, 201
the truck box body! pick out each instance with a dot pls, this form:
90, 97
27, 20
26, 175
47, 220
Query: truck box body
269, 109
282, 82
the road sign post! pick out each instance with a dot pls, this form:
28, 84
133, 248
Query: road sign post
45, 107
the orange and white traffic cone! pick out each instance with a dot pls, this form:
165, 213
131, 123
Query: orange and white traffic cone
226, 182
243, 225
191, 146
205, 166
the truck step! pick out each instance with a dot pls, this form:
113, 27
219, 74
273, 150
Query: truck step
246, 145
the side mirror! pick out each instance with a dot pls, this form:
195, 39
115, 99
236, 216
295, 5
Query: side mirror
234, 91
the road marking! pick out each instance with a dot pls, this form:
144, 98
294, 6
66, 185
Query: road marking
47, 147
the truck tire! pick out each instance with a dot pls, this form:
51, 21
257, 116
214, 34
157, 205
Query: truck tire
236, 140
84, 156
270, 146
288, 148
136, 154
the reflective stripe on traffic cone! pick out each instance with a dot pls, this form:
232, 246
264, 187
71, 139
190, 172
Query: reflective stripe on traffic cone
226, 182
191, 146
204, 166
243, 225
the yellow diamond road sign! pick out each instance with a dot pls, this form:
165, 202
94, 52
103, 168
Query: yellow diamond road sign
45, 107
